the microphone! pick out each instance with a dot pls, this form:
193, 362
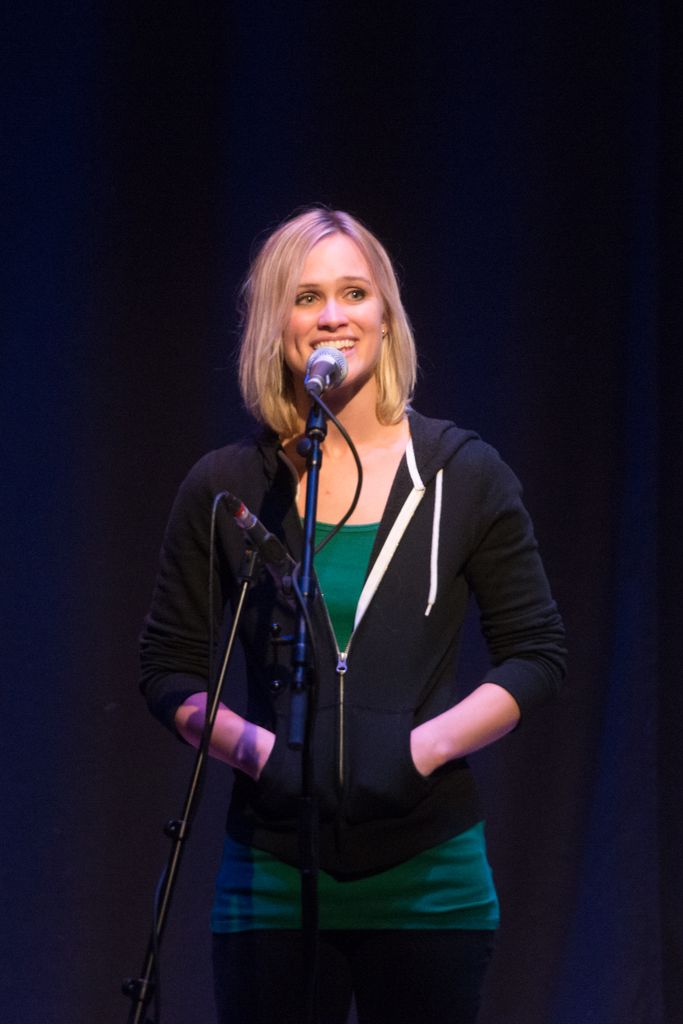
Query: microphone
326, 368
272, 551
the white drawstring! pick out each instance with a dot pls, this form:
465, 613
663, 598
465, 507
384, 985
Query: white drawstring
391, 543
398, 529
434, 558
412, 467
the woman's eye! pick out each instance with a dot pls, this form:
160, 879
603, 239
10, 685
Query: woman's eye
305, 299
357, 293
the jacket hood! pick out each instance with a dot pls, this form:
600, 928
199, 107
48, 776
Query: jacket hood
436, 442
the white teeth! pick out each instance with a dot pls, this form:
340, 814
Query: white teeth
341, 344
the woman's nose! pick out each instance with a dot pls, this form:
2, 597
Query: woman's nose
332, 314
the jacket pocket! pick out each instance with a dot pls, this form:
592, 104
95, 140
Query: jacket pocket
381, 778
279, 786
278, 790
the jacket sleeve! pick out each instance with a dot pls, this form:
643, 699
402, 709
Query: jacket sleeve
174, 645
519, 618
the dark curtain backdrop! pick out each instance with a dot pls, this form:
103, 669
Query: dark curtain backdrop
521, 162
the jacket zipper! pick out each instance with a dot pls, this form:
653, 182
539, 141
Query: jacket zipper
342, 668
341, 672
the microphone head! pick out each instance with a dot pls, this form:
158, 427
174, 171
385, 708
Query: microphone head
326, 368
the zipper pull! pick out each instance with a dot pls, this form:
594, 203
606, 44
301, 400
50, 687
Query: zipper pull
341, 664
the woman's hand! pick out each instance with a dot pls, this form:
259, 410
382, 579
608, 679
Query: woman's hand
426, 747
488, 713
236, 741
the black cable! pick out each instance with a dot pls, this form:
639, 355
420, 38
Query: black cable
359, 483
204, 743
156, 977
211, 594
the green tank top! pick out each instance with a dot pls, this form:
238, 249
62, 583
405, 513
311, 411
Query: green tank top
341, 567
447, 886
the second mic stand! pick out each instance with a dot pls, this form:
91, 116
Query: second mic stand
141, 990
300, 721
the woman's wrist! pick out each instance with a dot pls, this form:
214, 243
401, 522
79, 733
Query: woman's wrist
430, 746
234, 740
252, 747
488, 713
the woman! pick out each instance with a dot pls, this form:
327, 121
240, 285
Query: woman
407, 903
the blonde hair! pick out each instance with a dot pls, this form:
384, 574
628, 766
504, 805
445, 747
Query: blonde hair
268, 296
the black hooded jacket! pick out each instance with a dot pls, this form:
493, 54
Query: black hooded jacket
454, 524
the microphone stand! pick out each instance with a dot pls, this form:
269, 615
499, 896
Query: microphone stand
141, 990
300, 721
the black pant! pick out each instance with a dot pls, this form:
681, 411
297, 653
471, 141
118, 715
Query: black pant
397, 977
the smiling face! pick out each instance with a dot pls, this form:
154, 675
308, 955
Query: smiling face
337, 305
